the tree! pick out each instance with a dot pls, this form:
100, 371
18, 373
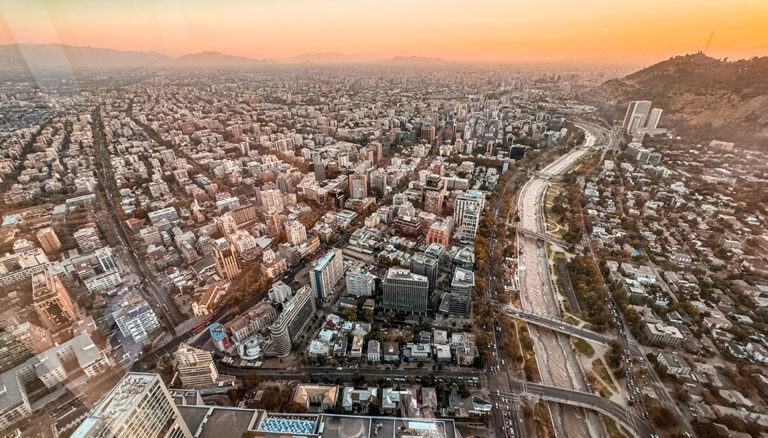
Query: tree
463, 390
351, 313
368, 315
660, 415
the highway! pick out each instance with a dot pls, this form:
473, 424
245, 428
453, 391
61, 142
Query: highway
560, 326
541, 236
637, 425
298, 373
498, 373
152, 296
557, 362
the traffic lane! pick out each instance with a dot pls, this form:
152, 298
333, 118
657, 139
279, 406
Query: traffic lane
596, 402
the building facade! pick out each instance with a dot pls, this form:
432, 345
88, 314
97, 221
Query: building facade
196, 367
52, 301
325, 273
138, 406
405, 291
226, 262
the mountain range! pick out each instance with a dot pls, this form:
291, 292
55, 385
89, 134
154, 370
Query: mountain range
366, 57
60, 56
703, 98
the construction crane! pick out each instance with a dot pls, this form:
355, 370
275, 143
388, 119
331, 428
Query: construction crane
709, 41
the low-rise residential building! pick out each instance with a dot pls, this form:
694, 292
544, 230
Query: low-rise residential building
374, 351
674, 364
390, 352
322, 397
662, 334
358, 400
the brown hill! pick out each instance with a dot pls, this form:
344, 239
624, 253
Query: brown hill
703, 98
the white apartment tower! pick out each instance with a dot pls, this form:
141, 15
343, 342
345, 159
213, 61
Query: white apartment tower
196, 367
467, 212
295, 231
637, 116
326, 272
138, 406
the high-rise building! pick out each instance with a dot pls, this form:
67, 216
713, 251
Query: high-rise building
272, 265
426, 265
87, 238
653, 119
326, 272
226, 262
252, 321
52, 301
13, 351
196, 367
274, 222
135, 318
138, 406
168, 156
48, 240
457, 145
294, 318
295, 232
440, 232
280, 292
22, 265
462, 285
37, 339
636, 116
51, 367
358, 185
464, 258
405, 291
379, 182
272, 200
434, 193
467, 212
220, 337
97, 269
378, 151
284, 183
360, 282
428, 133
318, 166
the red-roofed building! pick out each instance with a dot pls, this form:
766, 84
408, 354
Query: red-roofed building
209, 298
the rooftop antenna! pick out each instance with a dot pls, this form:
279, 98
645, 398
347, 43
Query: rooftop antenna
709, 41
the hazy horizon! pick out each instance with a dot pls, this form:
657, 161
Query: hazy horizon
492, 31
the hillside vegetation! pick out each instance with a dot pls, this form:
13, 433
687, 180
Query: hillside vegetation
703, 98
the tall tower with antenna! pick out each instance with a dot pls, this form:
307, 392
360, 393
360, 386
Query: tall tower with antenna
709, 41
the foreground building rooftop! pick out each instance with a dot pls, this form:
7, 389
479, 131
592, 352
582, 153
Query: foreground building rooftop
225, 422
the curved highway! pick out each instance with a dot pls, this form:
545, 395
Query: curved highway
557, 362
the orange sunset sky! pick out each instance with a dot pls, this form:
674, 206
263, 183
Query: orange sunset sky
477, 30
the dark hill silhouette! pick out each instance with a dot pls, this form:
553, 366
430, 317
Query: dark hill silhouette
703, 98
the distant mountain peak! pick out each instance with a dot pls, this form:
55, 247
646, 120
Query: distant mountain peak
62, 56
213, 58
416, 60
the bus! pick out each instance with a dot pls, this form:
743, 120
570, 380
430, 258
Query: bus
204, 323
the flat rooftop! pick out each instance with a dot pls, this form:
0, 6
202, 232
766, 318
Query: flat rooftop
218, 422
